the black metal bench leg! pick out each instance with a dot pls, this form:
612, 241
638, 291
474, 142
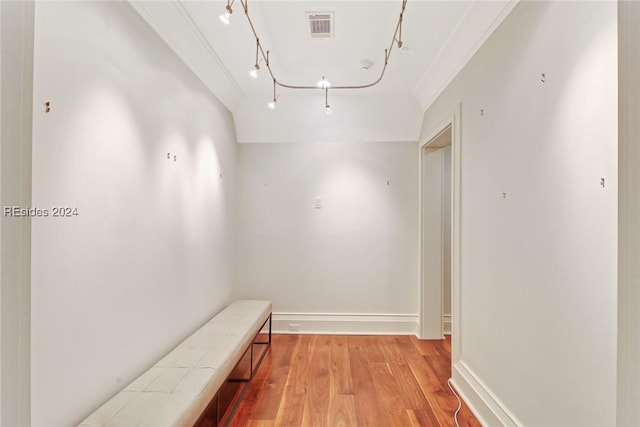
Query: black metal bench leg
218, 410
253, 366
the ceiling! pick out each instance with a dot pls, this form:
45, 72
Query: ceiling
441, 36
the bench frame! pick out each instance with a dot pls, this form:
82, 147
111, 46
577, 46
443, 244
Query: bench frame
247, 381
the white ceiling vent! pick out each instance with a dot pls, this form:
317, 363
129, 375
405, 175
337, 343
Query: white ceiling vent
320, 24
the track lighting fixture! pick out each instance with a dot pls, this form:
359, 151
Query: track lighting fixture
398, 39
256, 67
272, 104
225, 17
327, 107
323, 84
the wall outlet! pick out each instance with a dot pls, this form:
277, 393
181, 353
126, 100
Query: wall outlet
294, 327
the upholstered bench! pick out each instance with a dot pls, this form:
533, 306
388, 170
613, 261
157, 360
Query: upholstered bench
177, 389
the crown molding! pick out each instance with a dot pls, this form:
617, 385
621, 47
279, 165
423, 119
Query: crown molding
480, 20
174, 25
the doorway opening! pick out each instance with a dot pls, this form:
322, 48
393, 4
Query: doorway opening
440, 233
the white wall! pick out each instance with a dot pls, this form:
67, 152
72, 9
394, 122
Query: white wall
300, 116
356, 255
16, 33
150, 255
538, 278
629, 216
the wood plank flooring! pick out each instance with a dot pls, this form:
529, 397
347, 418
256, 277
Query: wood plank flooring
341, 381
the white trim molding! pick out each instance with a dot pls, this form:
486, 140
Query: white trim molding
628, 396
345, 323
452, 120
175, 26
483, 403
446, 324
17, 36
480, 20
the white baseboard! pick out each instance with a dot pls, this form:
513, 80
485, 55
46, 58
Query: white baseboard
482, 402
345, 324
446, 324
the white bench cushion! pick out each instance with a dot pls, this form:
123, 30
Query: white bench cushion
177, 389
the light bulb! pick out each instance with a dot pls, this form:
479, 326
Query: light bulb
254, 73
224, 17
324, 84
272, 105
328, 110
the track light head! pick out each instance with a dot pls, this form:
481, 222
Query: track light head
255, 71
224, 18
327, 107
272, 104
324, 83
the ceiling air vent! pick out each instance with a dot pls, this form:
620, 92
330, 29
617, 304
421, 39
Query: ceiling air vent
320, 24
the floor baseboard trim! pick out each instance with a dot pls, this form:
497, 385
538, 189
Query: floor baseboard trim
482, 402
446, 324
345, 324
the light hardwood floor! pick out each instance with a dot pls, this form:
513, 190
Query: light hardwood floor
334, 381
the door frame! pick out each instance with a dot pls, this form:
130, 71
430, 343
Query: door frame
451, 120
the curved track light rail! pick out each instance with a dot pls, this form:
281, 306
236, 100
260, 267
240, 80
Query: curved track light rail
396, 40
